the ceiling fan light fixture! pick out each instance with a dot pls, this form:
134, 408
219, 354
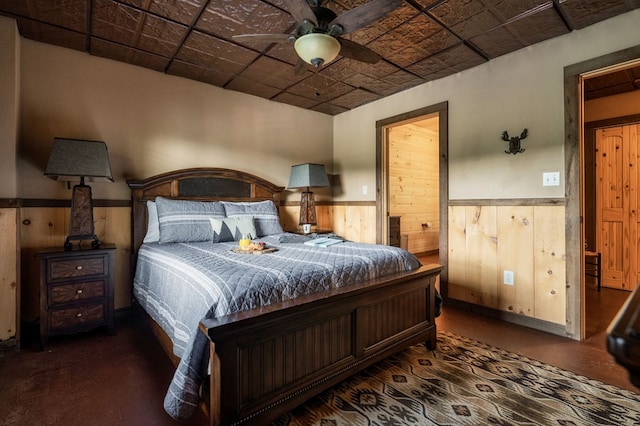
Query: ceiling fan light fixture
317, 48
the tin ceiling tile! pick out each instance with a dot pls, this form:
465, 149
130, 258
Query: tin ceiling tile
397, 49
508, 10
327, 108
126, 54
210, 52
583, 13
344, 68
160, 36
228, 18
51, 34
115, 22
459, 58
291, 99
319, 87
272, 72
538, 27
355, 98
183, 11
402, 80
252, 87
194, 72
468, 18
69, 14
374, 85
497, 42
125, 25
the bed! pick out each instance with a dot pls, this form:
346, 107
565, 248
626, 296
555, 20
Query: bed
266, 351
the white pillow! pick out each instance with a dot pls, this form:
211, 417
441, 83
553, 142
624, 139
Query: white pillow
153, 226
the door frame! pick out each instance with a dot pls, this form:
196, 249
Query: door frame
574, 182
382, 176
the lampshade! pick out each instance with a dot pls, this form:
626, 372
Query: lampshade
73, 158
317, 49
308, 175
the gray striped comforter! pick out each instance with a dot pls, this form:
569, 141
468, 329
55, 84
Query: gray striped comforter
179, 284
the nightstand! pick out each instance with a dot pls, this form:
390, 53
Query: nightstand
76, 290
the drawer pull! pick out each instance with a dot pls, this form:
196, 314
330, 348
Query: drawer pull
79, 291
79, 267
79, 314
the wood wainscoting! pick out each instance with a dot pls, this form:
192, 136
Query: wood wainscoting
528, 240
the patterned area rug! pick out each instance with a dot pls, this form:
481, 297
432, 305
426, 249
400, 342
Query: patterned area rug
465, 382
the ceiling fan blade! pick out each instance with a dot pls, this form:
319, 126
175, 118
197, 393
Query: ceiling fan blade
353, 50
301, 11
300, 67
268, 38
365, 14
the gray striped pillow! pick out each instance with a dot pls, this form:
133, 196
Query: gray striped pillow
265, 215
182, 221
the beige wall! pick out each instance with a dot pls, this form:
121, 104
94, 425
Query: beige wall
153, 123
520, 90
612, 106
9, 101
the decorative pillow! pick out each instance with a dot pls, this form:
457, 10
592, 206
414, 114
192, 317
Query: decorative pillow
232, 228
264, 213
184, 221
153, 227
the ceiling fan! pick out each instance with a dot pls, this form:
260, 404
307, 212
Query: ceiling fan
317, 39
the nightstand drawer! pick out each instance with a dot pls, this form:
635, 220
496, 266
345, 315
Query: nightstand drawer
76, 317
60, 269
60, 294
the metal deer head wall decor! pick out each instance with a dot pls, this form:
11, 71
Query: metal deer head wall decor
514, 142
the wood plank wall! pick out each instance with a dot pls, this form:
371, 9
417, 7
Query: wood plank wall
9, 297
413, 185
484, 241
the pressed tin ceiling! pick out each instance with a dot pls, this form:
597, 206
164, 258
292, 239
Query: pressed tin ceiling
420, 41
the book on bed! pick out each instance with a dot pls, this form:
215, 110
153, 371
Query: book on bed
322, 242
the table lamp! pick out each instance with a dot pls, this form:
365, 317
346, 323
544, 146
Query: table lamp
71, 159
307, 176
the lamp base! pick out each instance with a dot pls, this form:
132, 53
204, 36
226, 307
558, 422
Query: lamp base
68, 245
81, 217
307, 209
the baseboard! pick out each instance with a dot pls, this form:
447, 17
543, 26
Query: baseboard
536, 324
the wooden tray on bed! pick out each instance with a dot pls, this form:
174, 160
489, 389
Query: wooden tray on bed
263, 251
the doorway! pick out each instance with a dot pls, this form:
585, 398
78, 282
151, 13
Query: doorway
575, 173
423, 232
611, 221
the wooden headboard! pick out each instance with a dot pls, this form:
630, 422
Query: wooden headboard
197, 184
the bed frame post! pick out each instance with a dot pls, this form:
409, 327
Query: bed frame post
214, 386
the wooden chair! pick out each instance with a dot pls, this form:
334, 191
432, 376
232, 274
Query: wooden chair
593, 265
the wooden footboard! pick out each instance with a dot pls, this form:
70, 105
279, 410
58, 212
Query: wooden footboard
267, 361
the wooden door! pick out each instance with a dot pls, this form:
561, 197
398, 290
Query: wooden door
617, 205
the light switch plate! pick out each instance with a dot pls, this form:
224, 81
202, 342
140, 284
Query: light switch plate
551, 179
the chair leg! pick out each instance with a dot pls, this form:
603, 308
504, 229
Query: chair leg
599, 267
